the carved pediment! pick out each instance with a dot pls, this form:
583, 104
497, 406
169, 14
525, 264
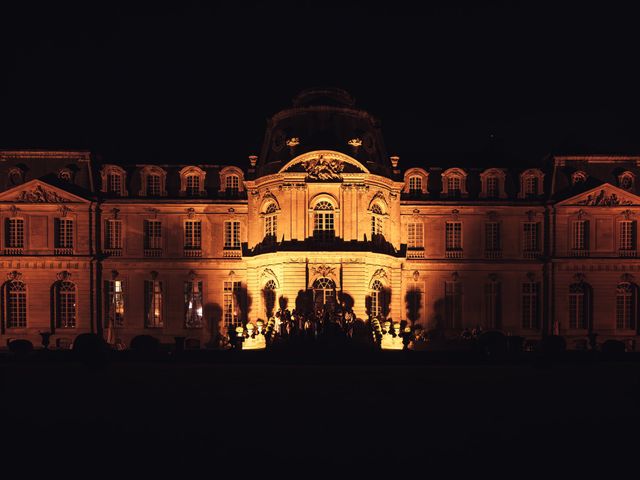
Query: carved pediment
323, 270
606, 195
325, 165
36, 191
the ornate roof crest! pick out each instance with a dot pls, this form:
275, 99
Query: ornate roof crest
321, 168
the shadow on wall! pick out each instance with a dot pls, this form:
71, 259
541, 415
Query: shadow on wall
213, 312
269, 301
413, 302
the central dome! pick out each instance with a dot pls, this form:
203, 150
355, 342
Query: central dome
323, 119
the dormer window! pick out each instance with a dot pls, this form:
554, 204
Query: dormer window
415, 185
578, 178
65, 174
492, 181
531, 183
232, 184
231, 179
626, 180
454, 183
113, 180
415, 181
16, 176
153, 181
192, 182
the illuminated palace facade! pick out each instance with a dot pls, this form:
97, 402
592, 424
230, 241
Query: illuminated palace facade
188, 250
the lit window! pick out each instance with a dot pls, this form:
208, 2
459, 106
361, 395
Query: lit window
16, 308
113, 234
626, 297
415, 184
193, 304
232, 234
453, 304
64, 234
152, 234
153, 304
453, 236
230, 304
65, 305
377, 299
323, 221
15, 233
114, 307
192, 234
530, 310
415, 237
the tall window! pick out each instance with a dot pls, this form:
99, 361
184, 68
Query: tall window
16, 298
192, 234
454, 186
193, 304
377, 298
453, 239
152, 234
153, 316
153, 185
232, 234
530, 184
531, 237
453, 304
64, 233
579, 235
324, 291
530, 309
579, 313
323, 226
193, 185
114, 307
230, 304
415, 237
65, 304
492, 305
114, 183
492, 236
232, 184
271, 223
628, 235
626, 294
15, 233
415, 185
376, 222
493, 189
113, 234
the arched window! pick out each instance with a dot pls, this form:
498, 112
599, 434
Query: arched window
531, 183
271, 223
415, 185
324, 291
377, 230
232, 184
323, 221
16, 298
579, 306
377, 298
65, 304
626, 297
578, 177
454, 183
269, 295
192, 181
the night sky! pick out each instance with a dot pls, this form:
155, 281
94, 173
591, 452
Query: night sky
195, 83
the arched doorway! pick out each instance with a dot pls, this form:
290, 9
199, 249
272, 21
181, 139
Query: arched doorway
324, 291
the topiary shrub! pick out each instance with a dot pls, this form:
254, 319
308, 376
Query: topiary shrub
613, 347
20, 347
493, 342
144, 344
91, 348
552, 345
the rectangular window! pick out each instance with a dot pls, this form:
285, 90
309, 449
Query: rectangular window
193, 185
153, 317
233, 184
230, 307
530, 186
454, 236
114, 183
153, 185
323, 226
492, 305
64, 233
531, 237
415, 185
492, 187
579, 235
15, 233
530, 310
193, 304
415, 237
453, 187
16, 304
232, 234
492, 236
153, 234
628, 235
114, 306
453, 305
192, 234
113, 234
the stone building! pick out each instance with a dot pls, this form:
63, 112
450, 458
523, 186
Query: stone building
322, 214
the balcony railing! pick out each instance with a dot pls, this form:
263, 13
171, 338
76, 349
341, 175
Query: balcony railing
113, 252
627, 253
232, 253
415, 253
531, 253
13, 251
63, 251
152, 252
492, 254
453, 254
582, 252
192, 252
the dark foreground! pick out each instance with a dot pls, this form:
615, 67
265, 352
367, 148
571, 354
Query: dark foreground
186, 419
